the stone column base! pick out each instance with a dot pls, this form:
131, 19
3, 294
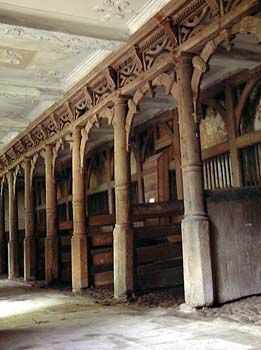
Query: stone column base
13, 266
79, 263
51, 259
123, 267
198, 281
29, 258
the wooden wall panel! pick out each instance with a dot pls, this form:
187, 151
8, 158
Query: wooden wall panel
236, 242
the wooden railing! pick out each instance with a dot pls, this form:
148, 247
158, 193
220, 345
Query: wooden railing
217, 172
251, 165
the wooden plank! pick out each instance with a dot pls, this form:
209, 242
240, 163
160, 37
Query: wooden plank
103, 279
159, 231
158, 252
215, 151
102, 240
100, 220
66, 225
248, 139
96, 230
103, 258
143, 269
152, 210
160, 279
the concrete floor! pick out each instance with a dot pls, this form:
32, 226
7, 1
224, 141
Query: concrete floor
34, 318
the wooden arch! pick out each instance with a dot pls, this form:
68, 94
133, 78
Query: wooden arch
34, 161
60, 144
94, 121
163, 79
249, 24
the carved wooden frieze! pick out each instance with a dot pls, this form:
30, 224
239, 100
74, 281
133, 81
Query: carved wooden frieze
28, 142
51, 125
129, 68
81, 102
64, 116
155, 48
141, 57
38, 134
104, 85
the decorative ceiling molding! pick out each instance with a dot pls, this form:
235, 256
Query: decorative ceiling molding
148, 10
73, 44
84, 68
114, 10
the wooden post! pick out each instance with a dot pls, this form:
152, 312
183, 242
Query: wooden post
29, 240
2, 232
110, 191
139, 170
122, 234
79, 239
51, 241
176, 146
232, 135
198, 282
13, 265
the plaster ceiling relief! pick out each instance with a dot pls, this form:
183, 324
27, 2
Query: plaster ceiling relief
110, 19
114, 10
73, 44
15, 58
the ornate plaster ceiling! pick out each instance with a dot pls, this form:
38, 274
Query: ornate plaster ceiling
47, 46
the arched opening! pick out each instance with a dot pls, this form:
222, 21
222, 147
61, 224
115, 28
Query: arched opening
153, 136
63, 176
39, 197
4, 228
100, 207
228, 106
19, 189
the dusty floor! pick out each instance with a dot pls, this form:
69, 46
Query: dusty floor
40, 318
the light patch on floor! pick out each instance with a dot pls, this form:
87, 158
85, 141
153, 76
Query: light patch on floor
41, 319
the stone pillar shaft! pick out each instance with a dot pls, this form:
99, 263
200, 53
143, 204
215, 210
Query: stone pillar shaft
51, 241
122, 234
29, 240
79, 239
13, 265
198, 282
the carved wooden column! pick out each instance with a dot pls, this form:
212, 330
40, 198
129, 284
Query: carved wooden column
122, 234
51, 241
79, 239
29, 240
198, 283
176, 146
139, 171
13, 265
2, 232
